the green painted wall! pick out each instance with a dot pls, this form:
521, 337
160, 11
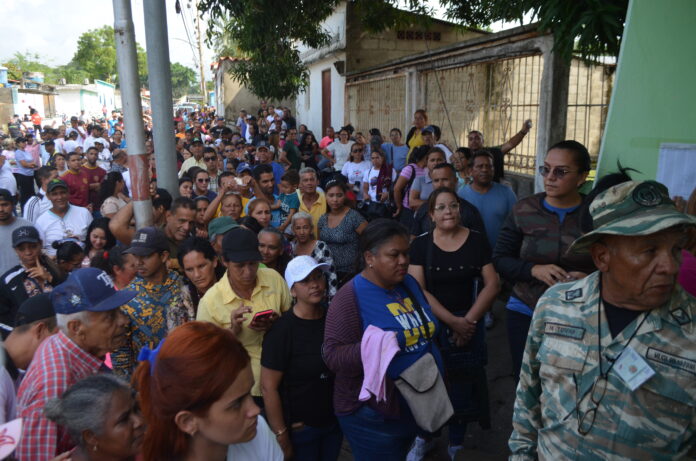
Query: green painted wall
654, 96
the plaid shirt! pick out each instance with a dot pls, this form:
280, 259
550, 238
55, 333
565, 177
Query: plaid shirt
58, 364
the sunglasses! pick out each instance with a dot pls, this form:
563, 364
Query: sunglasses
555, 172
203, 180
356, 151
209, 159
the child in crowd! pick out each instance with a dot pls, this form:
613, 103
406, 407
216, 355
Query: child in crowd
288, 201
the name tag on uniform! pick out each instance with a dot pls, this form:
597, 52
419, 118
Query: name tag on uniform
632, 369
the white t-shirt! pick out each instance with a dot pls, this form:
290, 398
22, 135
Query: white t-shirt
371, 179
51, 227
355, 172
263, 447
104, 159
340, 153
70, 146
445, 149
7, 179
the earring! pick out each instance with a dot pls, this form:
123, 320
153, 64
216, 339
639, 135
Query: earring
95, 448
371, 266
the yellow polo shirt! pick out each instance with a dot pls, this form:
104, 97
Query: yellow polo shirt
318, 209
270, 292
191, 162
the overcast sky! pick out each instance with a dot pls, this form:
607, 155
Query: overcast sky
51, 28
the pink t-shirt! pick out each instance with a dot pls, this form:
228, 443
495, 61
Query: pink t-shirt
325, 141
407, 172
687, 272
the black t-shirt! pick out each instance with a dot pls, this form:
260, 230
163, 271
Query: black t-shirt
293, 346
618, 318
452, 273
216, 131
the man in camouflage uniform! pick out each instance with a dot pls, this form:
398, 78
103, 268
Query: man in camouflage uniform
609, 369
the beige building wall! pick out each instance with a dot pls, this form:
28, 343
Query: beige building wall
236, 97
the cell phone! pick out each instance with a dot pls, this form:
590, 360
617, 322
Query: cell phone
263, 315
239, 181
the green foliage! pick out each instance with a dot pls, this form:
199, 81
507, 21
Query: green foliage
267, 31
96, 55
182, 79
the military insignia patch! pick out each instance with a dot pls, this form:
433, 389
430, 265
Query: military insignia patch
572, 295
566, 331
680, 316
647, 195
671, 360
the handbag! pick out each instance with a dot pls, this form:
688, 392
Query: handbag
422, 386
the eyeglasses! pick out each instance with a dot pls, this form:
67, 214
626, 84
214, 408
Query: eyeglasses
599, 389
556, 172
203, 180
357, 151
209, 159
442, 207
229, 150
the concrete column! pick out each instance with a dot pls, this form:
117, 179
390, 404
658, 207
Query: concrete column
411, 97
553, 105
160, 79
127, 61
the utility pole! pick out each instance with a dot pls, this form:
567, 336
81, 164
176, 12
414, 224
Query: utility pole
200, 55
129, 82
160, 80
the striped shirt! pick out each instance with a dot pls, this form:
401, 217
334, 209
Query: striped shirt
58, 364
36, 206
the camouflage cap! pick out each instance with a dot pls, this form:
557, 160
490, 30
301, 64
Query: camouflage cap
631, 208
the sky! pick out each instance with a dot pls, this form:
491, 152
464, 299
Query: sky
51, 29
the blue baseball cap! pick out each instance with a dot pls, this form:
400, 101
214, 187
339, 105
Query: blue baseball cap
88, 289
242, 167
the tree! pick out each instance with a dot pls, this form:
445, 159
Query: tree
267, 31
96, 56
182, 79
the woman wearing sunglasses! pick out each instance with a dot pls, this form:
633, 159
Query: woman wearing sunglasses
531, 247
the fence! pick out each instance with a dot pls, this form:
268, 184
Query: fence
494, 96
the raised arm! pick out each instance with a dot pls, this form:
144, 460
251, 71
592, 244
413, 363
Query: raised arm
517, 138
119, 225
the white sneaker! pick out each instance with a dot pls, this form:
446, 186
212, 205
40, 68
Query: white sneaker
452, 450
419, 449
489, 320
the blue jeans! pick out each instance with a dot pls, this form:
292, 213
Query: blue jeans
372, 438
316, 443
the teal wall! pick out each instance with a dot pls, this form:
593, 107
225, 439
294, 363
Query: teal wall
654, 95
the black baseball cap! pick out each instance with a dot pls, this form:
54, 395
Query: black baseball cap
196, 141
6, 196
38, 307
240, 245
147, 241
55, 184
25, 234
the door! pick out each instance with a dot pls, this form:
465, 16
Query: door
325, 101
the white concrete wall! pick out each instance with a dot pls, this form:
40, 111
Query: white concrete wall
24, 100
309, 103
68, 102
107, 97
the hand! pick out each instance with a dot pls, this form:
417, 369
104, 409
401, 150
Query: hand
526, 126
90, 208
679, 203
550, 274
384, 197
263, 324
39, 272
398, 211
237, 318
464, 328
577, 275
202, 233
285, 444
66, 456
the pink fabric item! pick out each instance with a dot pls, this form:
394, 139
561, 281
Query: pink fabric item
687, 272
377, 349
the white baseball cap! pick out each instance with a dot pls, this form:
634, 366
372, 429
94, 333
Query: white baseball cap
300, 267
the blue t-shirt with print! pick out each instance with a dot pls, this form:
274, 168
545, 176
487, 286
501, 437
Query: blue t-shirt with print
392, 310
288, 202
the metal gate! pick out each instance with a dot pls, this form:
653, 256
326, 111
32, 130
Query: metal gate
377, 103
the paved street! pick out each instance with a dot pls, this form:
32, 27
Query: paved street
490, 445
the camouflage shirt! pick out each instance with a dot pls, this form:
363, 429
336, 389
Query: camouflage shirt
533, 235
561, 362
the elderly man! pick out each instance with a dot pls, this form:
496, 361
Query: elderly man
608, 370
248, 299
91, 325
312, 200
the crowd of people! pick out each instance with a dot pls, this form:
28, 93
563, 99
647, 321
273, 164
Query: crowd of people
298, 290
